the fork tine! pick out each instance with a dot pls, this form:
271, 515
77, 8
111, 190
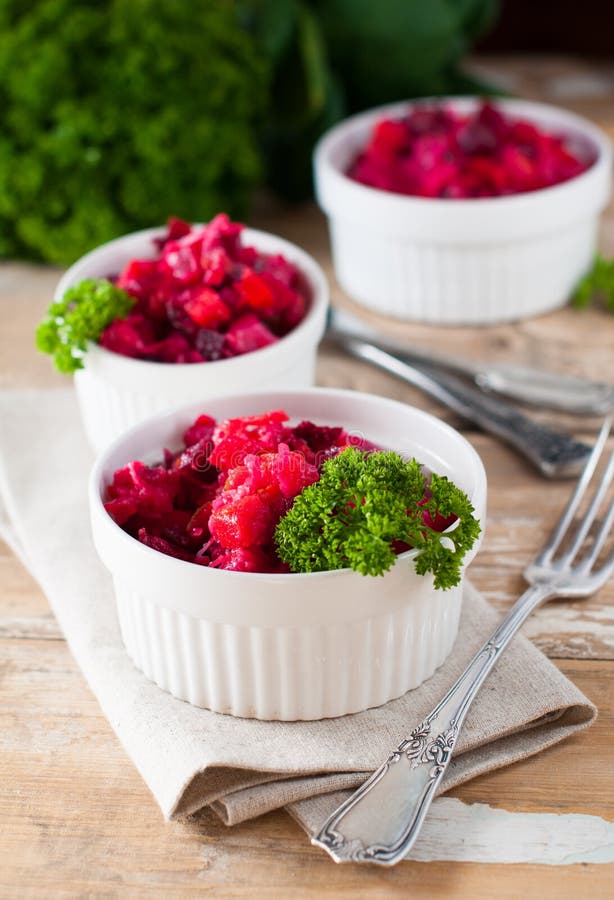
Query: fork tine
600, 539
592, 511
602, 574
563, 524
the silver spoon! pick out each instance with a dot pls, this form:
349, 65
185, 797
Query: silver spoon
554, 453
537, 387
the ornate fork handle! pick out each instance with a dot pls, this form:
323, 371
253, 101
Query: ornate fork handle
381, 820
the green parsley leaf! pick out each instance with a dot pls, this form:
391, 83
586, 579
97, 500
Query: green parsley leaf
363, 503
80, 316
597, 286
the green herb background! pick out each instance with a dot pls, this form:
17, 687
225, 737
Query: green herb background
115, 114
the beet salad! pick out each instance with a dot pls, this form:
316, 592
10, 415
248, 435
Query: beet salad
435, 151
205, 296
257, 494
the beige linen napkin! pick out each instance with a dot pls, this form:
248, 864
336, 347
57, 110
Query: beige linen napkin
190, 757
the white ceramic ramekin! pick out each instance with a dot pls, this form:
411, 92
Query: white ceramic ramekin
454, 262
285, 646
116, 392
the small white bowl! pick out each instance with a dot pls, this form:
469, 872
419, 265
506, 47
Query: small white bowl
461, 262
285, 646
116, 392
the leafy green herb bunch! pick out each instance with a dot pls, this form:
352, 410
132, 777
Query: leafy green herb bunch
115, 114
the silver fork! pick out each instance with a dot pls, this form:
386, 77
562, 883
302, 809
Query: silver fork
381, 820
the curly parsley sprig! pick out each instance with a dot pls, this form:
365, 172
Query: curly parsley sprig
80, 316
362, 504
597, 286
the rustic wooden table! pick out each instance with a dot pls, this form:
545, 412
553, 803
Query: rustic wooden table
75, 817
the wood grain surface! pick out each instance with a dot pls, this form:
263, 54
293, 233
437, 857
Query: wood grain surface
75, 818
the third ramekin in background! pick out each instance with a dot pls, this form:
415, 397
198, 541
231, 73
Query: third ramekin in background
471, 262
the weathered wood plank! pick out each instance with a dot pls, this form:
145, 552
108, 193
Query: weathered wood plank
78, 821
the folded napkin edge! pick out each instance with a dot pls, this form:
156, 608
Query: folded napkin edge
571, 719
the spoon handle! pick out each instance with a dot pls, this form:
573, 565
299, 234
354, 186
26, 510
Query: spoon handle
554, 453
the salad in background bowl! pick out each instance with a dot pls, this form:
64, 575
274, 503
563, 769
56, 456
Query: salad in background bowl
444, 211
166, 315
275, 613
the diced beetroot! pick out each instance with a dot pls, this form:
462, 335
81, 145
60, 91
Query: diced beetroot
196, 456
248, 256
143, 490
155, 303
287, 305
230, 297
121, 509
221, 232
252, 559
201, 430
139, 277
290, 470
175, 348
207, 309
177, 228
390, 138
254, 293
232, 450
287, 471
267, 428
234, 439
293, 310
210, 344
437, 522
319, 437
182, 263
216, 265
246, 334
178, 318
197, 486
245, 522
280, 268
129, 337
164, 546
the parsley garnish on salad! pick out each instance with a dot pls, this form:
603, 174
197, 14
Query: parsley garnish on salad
597, 286
80, 316
366, 503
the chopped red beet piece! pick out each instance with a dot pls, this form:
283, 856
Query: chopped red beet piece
163, 546
248, 333
319, 437
247, 521
216, 265
177, 228
139, 277
247, 559
280, 268
207, 309
182, 263
201, 430
210, 344
255, 293
130, 336
174, 348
